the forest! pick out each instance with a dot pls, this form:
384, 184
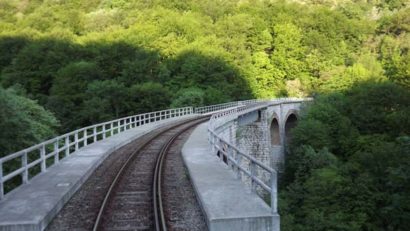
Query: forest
348, 167
66, 64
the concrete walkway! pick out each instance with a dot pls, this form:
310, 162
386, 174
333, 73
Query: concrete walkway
32, 206
227, 203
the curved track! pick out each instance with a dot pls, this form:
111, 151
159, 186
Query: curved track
134, 198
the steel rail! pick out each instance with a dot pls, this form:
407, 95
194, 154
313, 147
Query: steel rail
108, 195
160, 223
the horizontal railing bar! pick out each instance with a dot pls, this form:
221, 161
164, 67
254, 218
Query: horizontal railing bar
251, 158
244, 170
261, 183
51, 154
13, 174
257, 180
34, 163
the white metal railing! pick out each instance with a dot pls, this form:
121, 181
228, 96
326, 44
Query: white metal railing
206, 109
51, 151
217, 107
234, 156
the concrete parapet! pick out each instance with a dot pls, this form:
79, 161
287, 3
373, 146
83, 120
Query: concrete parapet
227, 203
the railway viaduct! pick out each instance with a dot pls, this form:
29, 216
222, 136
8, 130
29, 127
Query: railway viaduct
231, 158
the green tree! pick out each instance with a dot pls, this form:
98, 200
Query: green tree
22, 122
395, 59
110, 96
149, 96
345, 155
68, 92
288, 53
189, 97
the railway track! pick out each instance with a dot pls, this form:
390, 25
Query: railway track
134, 198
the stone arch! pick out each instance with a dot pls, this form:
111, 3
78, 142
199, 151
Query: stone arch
290, 122
274, 129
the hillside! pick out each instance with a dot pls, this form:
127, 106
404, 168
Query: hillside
118, 56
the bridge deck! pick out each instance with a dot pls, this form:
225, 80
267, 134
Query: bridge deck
226, 202
32, 206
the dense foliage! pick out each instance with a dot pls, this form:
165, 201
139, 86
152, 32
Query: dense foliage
23, 122
349, 163
88, 61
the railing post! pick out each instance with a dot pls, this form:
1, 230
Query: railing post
238, 163
253, 174
112, 128
56, 152
95, 134
67, 145
103, 132
43, 158
274, 192
1, 181
76, 140
24, 175
214, 149
85, 136
228, 159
